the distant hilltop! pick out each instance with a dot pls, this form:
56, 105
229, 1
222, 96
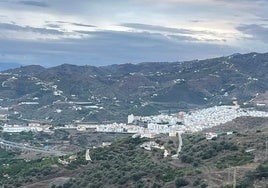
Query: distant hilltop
6, 66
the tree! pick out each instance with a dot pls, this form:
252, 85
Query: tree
181, 182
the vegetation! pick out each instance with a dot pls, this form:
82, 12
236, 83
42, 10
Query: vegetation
124, 163
19, 137
7, 154
145, 111
234, 159
181, 182
18, 171
227, 152
202, 163
260, 173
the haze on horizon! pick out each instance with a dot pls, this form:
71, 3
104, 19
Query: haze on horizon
103, 32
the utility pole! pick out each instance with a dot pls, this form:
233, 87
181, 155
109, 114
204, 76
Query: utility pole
266, 149
234, 178
229, 173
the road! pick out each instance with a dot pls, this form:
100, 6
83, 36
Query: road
29, 148
180, 144
179, 147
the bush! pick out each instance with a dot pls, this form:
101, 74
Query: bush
156, 185
250, 177
187, 159
197, 182
181, 182
195, 163
203, 185
262, 171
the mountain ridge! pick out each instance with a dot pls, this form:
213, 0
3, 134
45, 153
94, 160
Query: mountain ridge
118, 90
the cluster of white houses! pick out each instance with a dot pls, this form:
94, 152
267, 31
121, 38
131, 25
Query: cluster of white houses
3, 113
149, 126
33, 127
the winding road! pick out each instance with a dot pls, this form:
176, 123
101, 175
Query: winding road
180, 144
179, 147
21, 146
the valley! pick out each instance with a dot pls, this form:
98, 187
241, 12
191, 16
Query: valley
194, 123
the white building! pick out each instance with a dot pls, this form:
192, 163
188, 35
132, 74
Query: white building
3, 117
211, 135
130, 118
18, 128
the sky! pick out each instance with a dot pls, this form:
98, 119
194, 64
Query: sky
104, 32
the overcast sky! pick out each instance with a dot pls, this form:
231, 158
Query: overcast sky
102, 32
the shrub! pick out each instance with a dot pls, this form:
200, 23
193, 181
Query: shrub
197, 182
181, 182
187, 159
203, 185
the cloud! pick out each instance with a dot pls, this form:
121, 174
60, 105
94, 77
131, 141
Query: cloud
110, 47
156, 28
83, 25
180, 33
197, 21
257, 32
101, 32
34, 3
14, 27
182, 38
245, 8
76, 24
56, 26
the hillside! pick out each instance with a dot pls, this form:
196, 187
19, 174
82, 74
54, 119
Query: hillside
87, 93
126, 164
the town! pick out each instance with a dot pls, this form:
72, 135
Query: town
150, 126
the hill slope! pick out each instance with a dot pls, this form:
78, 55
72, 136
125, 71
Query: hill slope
201, 163
112, 92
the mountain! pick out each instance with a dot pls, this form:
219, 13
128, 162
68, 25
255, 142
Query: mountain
6, 66
88, 93
67, 94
